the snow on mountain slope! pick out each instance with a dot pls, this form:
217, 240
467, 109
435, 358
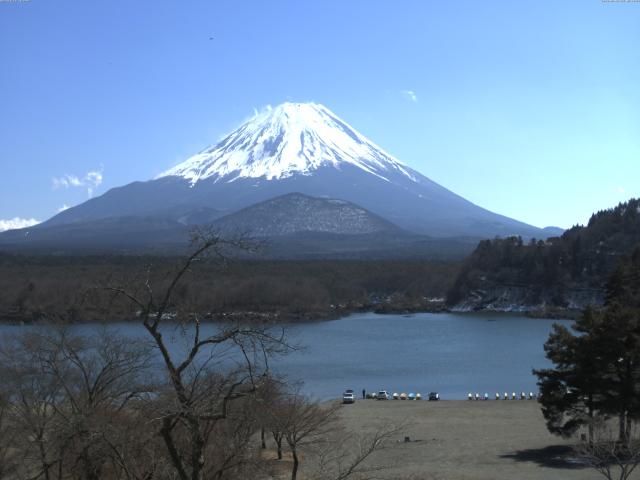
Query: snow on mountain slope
293, 138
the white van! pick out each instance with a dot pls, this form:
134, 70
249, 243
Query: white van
382, 395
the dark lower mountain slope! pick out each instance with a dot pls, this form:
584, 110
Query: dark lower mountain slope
420, 206
118, 235
289, 226
373, 246
569, 271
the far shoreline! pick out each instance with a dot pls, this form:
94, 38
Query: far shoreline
278, 318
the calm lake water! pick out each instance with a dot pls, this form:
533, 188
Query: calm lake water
450, 353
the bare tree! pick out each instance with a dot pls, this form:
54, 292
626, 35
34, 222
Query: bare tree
270, 406
66, 393
315, 430
302, 423
349, 456
31, 398
608, 455
201, 387
135, 451
6, 460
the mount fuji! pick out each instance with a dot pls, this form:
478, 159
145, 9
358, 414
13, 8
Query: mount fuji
300, 148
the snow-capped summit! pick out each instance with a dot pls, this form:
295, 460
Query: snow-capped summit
292, 138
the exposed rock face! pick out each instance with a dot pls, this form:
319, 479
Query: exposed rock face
525, 299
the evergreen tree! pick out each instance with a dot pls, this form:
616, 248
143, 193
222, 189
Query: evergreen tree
597, 365
571, 393
623, 287
619, 354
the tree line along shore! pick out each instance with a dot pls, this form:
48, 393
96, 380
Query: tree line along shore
69, 289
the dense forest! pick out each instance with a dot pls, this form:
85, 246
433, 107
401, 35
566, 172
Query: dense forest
73, 288
567, 272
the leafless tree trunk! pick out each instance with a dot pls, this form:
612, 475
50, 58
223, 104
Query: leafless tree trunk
608, 455
301, 423
278, 436
6, 462
315, 430
200, 391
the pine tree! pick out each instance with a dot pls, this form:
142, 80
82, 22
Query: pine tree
571, 393
597, 365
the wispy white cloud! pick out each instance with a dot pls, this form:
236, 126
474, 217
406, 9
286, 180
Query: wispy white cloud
63, 208
17, 222
410, 95
90, 181
621, 190
66, 181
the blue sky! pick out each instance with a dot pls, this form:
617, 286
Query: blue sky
530, 109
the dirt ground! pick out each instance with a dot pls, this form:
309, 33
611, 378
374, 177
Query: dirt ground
465, 440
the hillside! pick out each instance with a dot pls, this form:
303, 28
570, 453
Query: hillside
291, 226
295, 213
566, 272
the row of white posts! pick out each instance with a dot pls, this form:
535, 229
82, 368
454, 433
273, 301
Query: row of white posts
514, 396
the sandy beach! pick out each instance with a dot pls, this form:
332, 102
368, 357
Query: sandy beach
464, 440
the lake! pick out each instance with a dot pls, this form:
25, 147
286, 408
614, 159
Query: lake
453, 354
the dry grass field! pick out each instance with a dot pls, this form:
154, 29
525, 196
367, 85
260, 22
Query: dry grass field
467, 440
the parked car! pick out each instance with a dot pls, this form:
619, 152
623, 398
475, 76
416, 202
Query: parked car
433, 396
348, 397
382, 395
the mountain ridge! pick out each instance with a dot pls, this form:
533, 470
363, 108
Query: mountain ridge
302, 148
